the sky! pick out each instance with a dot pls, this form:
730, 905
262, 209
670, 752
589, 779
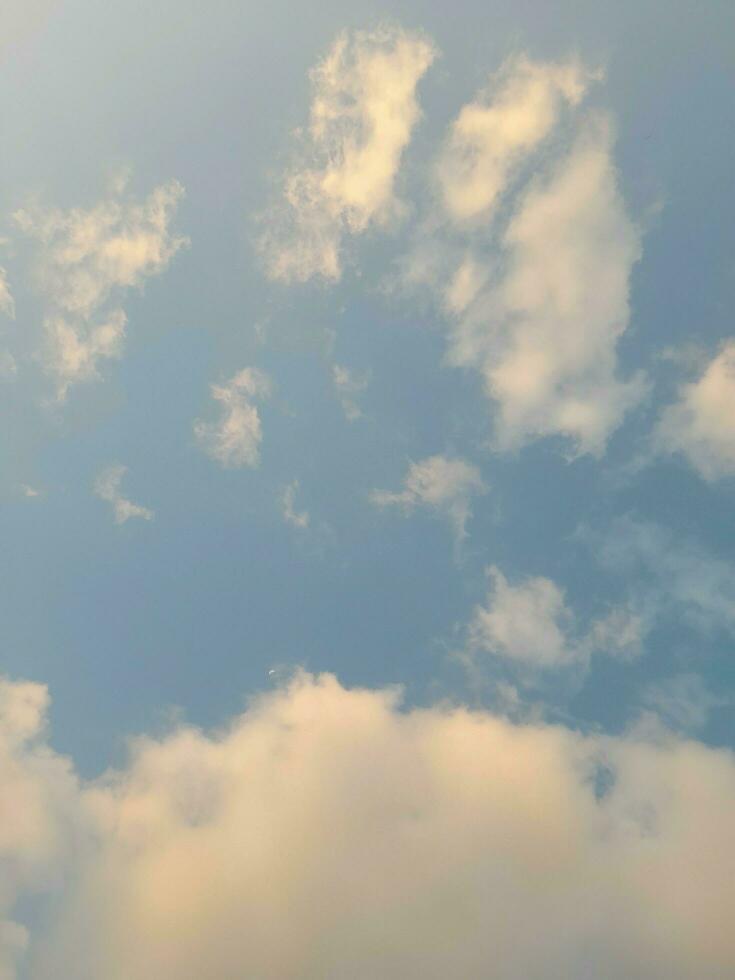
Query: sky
367, 459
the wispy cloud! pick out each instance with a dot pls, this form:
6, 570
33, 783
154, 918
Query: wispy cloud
297, 518
363, 111
349, 386
235, 439
107, 487
441, 484
7, 304
88, 259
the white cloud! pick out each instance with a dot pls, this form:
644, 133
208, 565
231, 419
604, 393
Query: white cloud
363, 111
442, 484
530, 625
107, 487
87, 260
326, 832
298, 518
235, 439
7, 305
493, 135
701, 423
348, 386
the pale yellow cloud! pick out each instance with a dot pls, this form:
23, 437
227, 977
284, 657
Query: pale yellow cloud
363, 112
542, 326
493, 134
87, 260
327, 832
234, 440
700, 424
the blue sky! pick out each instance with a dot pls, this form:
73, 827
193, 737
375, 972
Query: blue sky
397, 347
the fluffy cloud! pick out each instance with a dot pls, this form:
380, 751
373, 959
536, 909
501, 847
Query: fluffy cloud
87, 260
701, 423
536, 292
493, 134
107, 487
39, 814
235, 439
543, 329
297, 518
530, 625
441, 484
363, 111
326, 832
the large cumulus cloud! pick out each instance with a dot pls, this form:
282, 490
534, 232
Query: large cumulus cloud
329, 833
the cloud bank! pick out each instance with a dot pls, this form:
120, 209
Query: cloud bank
327, 832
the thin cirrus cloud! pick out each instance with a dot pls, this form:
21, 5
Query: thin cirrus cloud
442, 484
234, 439
7, 304
107, 487
700, 424
669, 576
291, 515
87, 259
363, 111
329, 832
349, 386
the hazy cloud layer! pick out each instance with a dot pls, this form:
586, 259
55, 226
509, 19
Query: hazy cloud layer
363, 111
87, 259
235, 439
701, 422
327, 833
